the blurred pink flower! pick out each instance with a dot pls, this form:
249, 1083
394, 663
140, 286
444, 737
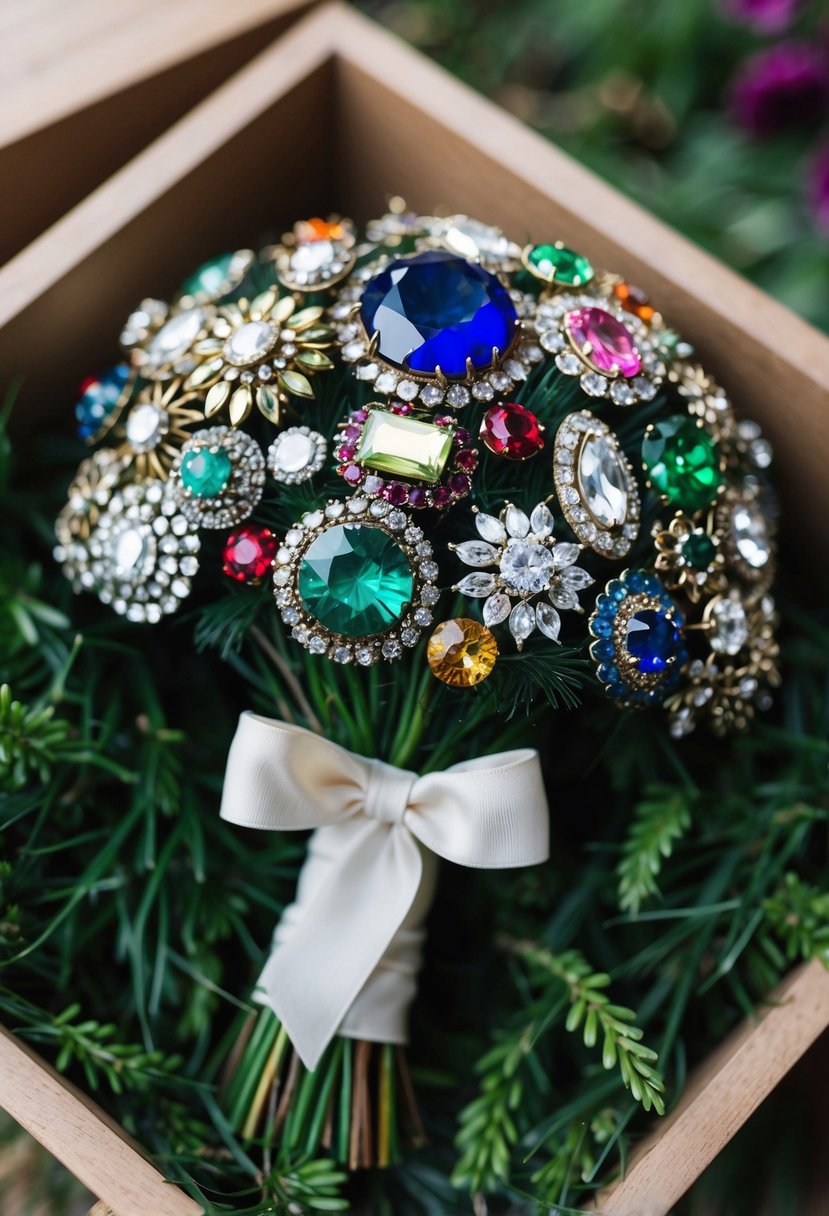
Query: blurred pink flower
784, 86
766, 16
819, 189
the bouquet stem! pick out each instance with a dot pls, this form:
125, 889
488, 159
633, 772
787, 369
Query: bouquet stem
350, 1106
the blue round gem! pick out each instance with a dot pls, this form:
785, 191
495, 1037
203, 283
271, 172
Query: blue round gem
603, 649
601, 627
99, 398
436, 310
652, 639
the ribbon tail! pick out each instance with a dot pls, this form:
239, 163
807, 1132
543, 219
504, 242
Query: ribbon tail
311, 980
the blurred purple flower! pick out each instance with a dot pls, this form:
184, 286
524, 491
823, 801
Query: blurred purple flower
819, 189
766, 16
784, 86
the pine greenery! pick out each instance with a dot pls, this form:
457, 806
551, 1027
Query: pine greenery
692, 876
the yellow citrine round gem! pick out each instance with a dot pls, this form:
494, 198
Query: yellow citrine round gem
461, 652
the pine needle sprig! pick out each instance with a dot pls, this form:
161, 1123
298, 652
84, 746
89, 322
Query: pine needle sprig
488, 1128
592, 1013
798, 915
661, 819
31, 740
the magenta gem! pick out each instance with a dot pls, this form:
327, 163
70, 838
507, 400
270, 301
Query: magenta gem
417, 497
463, 436
346, 452
359, 416
352, 473
396, 494
441, 496
604, 341
467, 459
351, 432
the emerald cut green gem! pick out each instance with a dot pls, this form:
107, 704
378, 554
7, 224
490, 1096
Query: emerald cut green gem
682, 462
404, 447
698, 550
205, 471
355, 580
558, 264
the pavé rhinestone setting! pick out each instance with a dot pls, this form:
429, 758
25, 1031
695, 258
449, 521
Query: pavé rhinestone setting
355, 581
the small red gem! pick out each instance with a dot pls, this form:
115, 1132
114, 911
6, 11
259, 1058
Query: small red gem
248, 554
467, 459
511, 430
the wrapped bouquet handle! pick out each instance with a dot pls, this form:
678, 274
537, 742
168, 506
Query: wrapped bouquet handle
345, 952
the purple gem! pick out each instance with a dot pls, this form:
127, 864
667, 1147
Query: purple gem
353, 474
463, 436
417, 497
396, 493
467, 459
460, 483
441, 496
351, 432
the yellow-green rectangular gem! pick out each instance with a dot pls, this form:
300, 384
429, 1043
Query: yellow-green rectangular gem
404, 447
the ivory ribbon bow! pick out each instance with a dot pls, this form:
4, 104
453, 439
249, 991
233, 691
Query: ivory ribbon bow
346, 952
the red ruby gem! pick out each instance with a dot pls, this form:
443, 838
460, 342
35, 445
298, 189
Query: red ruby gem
511, 430
248, 554
396, 494
441, 496
604, 342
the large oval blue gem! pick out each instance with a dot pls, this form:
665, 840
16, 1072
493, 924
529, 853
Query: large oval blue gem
436, 310
652, 639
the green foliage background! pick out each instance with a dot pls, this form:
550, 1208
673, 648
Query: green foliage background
637, 90
132, 920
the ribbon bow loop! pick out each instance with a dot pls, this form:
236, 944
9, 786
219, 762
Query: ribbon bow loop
388, 791
349, 946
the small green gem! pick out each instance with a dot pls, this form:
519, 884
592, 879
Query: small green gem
698, 550
355, 580
205, 471
682, 462
558, 264
217, 277
404, 447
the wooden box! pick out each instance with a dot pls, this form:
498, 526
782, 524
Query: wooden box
337, 115
85, 86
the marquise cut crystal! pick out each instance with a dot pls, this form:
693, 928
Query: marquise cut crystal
602, 481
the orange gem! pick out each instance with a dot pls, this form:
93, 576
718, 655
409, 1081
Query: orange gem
461, 652
319, 230
633, 299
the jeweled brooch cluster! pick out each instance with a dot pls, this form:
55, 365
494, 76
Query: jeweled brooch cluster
627, 512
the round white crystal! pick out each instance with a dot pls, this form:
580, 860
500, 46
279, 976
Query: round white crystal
526, 568
250, 342
293, 451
